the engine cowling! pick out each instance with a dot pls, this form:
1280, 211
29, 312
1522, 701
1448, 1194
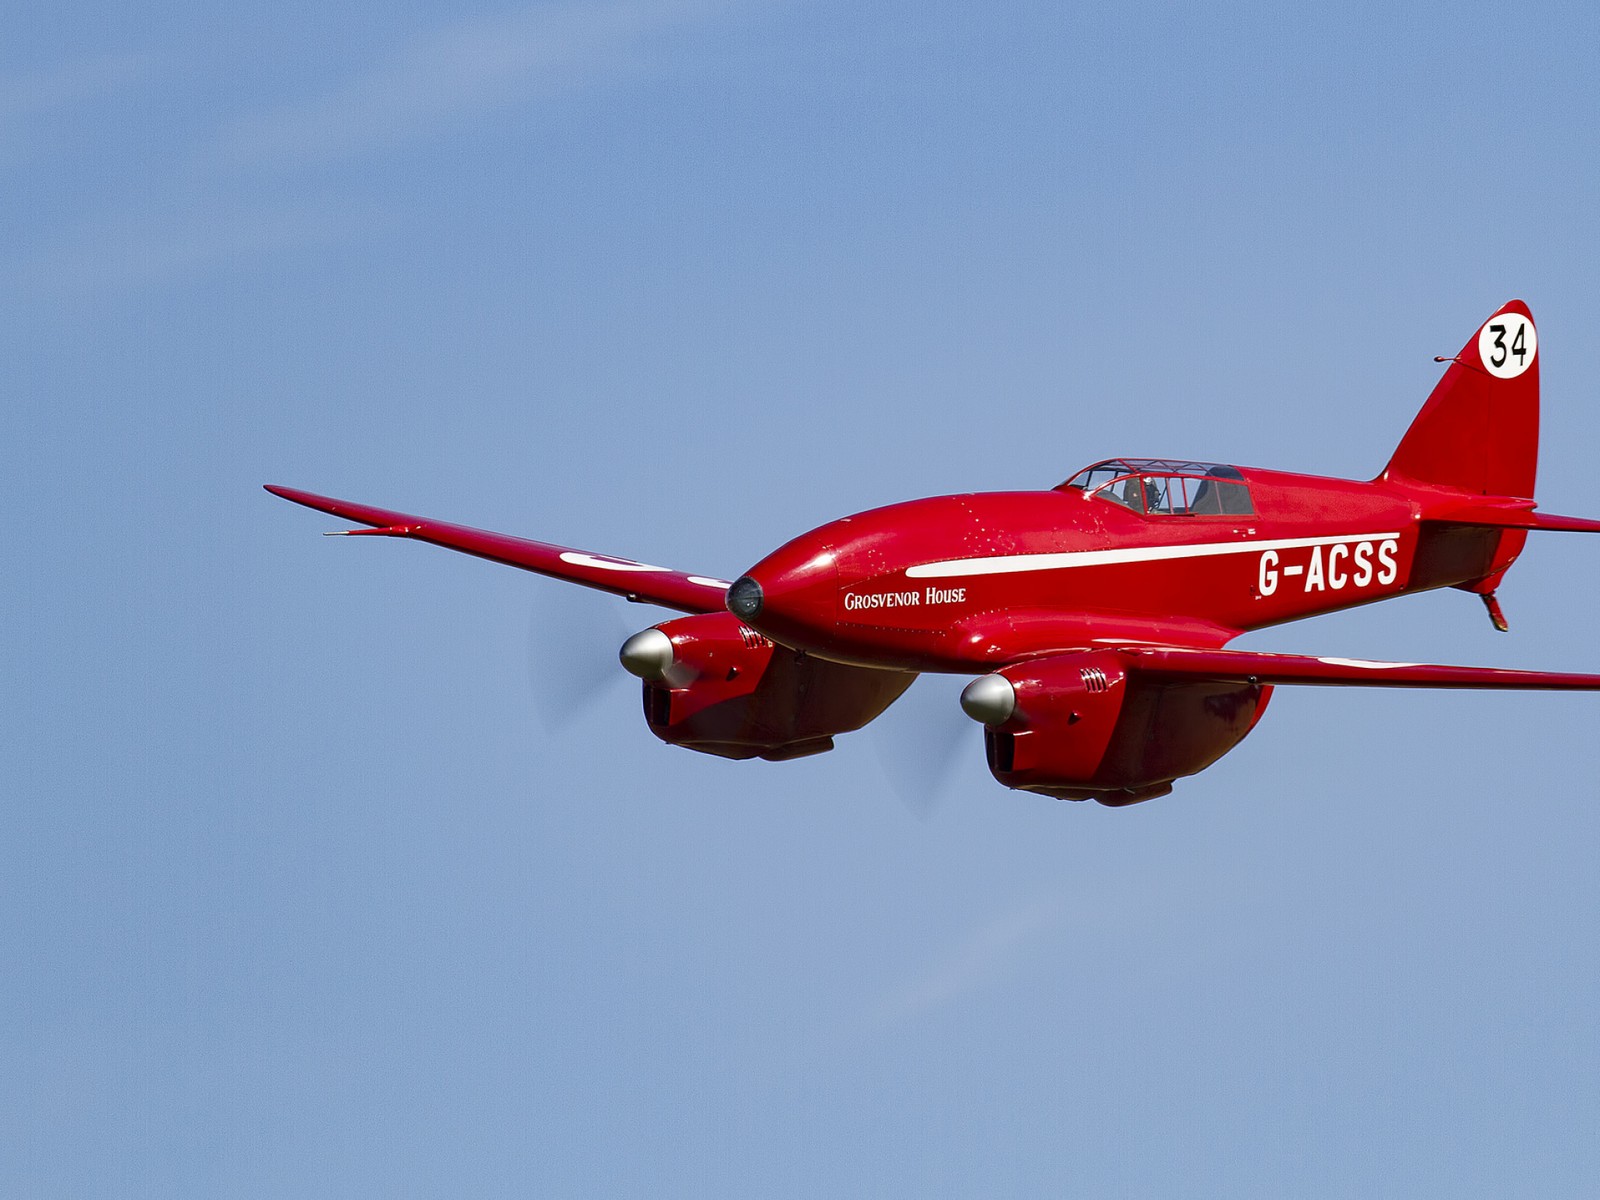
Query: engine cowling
1080, 727
712, 684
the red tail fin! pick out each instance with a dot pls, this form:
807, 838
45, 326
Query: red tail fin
1479, 430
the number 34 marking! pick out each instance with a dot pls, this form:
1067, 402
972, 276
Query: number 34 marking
1507, 344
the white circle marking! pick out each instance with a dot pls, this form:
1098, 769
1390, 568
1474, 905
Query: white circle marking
1507, 344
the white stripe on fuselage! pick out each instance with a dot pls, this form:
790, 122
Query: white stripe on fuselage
1011, 564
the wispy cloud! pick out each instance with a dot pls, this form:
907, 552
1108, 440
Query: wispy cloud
157, 248
35, 92
462, 71
33, 102
979, 958
435, 81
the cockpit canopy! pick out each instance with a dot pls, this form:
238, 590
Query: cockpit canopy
1166, 487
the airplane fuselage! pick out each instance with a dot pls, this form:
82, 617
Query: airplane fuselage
959, 583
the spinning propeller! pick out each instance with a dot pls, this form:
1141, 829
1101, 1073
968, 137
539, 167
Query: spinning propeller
572, 644
918, 742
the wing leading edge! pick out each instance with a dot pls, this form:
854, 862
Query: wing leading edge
1246, 666
620, 576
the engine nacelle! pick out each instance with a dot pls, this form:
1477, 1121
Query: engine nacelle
1079, 727
711, 683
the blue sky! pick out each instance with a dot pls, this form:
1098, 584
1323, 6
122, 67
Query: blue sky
302, 895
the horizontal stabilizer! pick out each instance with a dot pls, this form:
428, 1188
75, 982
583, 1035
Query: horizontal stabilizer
1245, 666
1516, 518
619, 576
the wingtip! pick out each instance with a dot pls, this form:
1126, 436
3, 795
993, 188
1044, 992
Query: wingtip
296, 496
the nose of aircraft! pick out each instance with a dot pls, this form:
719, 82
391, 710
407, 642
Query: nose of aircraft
789, 595
745, 598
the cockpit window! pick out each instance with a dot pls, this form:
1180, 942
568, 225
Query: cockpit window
1166, 487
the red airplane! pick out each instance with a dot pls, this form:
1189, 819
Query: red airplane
1095, 614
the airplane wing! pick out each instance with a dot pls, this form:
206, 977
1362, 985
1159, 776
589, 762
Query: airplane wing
620, 576
1245, 666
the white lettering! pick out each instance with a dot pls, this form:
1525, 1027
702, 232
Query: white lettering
854, 600
1388, 571
1337, 578
1268, 583
1314, 581
1363, 575
1347, 564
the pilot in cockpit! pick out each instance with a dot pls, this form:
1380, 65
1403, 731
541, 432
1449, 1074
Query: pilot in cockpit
1152, 494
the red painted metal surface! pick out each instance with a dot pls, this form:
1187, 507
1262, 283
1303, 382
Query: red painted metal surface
1092, 726
734, 693
1105, 602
